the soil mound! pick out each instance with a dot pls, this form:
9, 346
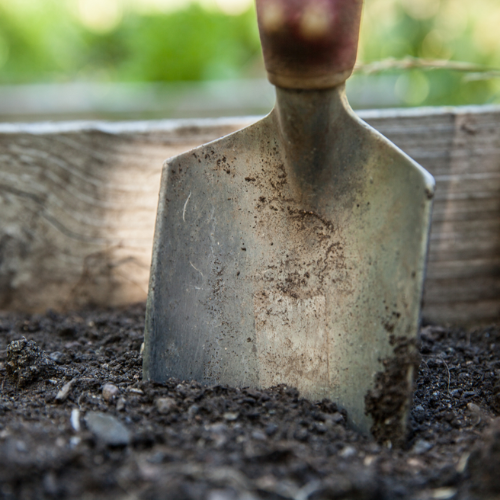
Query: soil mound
82, 424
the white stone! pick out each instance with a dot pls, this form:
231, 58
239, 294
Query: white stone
109, 391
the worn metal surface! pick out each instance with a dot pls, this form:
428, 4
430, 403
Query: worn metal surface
289, 252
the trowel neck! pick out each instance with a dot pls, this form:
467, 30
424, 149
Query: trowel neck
309, 123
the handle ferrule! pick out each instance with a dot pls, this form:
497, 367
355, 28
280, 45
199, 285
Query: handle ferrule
309, 44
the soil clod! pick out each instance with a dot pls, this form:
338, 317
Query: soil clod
26, 362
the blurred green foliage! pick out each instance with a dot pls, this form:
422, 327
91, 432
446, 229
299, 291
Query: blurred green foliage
67, 40
186, 45
43, 41
457, 30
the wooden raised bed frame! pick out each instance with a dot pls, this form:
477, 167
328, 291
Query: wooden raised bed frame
78, 205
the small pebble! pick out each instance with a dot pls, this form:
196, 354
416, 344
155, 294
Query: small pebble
301, 434
462, 463
415, 462
21, 446
271, 429
180, 389
321, 428
337, 417
165, 405
222, 495
348, 452
218, 428
473, 408
158, 458
75, 419
444, 493
59, 357
63, 394
419, 413
50, 484
259, 436
120, 406
109, 391
193, 410
74, 441
421, 446
107, 429
229, 416
135, 391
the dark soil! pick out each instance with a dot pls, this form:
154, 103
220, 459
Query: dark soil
180, 440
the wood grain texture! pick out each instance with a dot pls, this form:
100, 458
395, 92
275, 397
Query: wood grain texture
78, 205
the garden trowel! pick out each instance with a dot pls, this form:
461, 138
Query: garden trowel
293, 251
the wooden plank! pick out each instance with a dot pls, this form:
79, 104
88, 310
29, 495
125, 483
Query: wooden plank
469, 313
463, 290
466, 209
480, 245
78, 204
475, 269
463, 229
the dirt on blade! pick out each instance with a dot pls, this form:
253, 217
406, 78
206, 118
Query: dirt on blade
89, 427
388, 402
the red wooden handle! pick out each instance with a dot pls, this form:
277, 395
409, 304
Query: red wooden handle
309, 44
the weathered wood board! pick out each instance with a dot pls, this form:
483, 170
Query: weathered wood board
78, 206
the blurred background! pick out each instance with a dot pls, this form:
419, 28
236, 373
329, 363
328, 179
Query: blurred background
144, 59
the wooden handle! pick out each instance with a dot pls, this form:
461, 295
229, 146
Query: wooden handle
309, 44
